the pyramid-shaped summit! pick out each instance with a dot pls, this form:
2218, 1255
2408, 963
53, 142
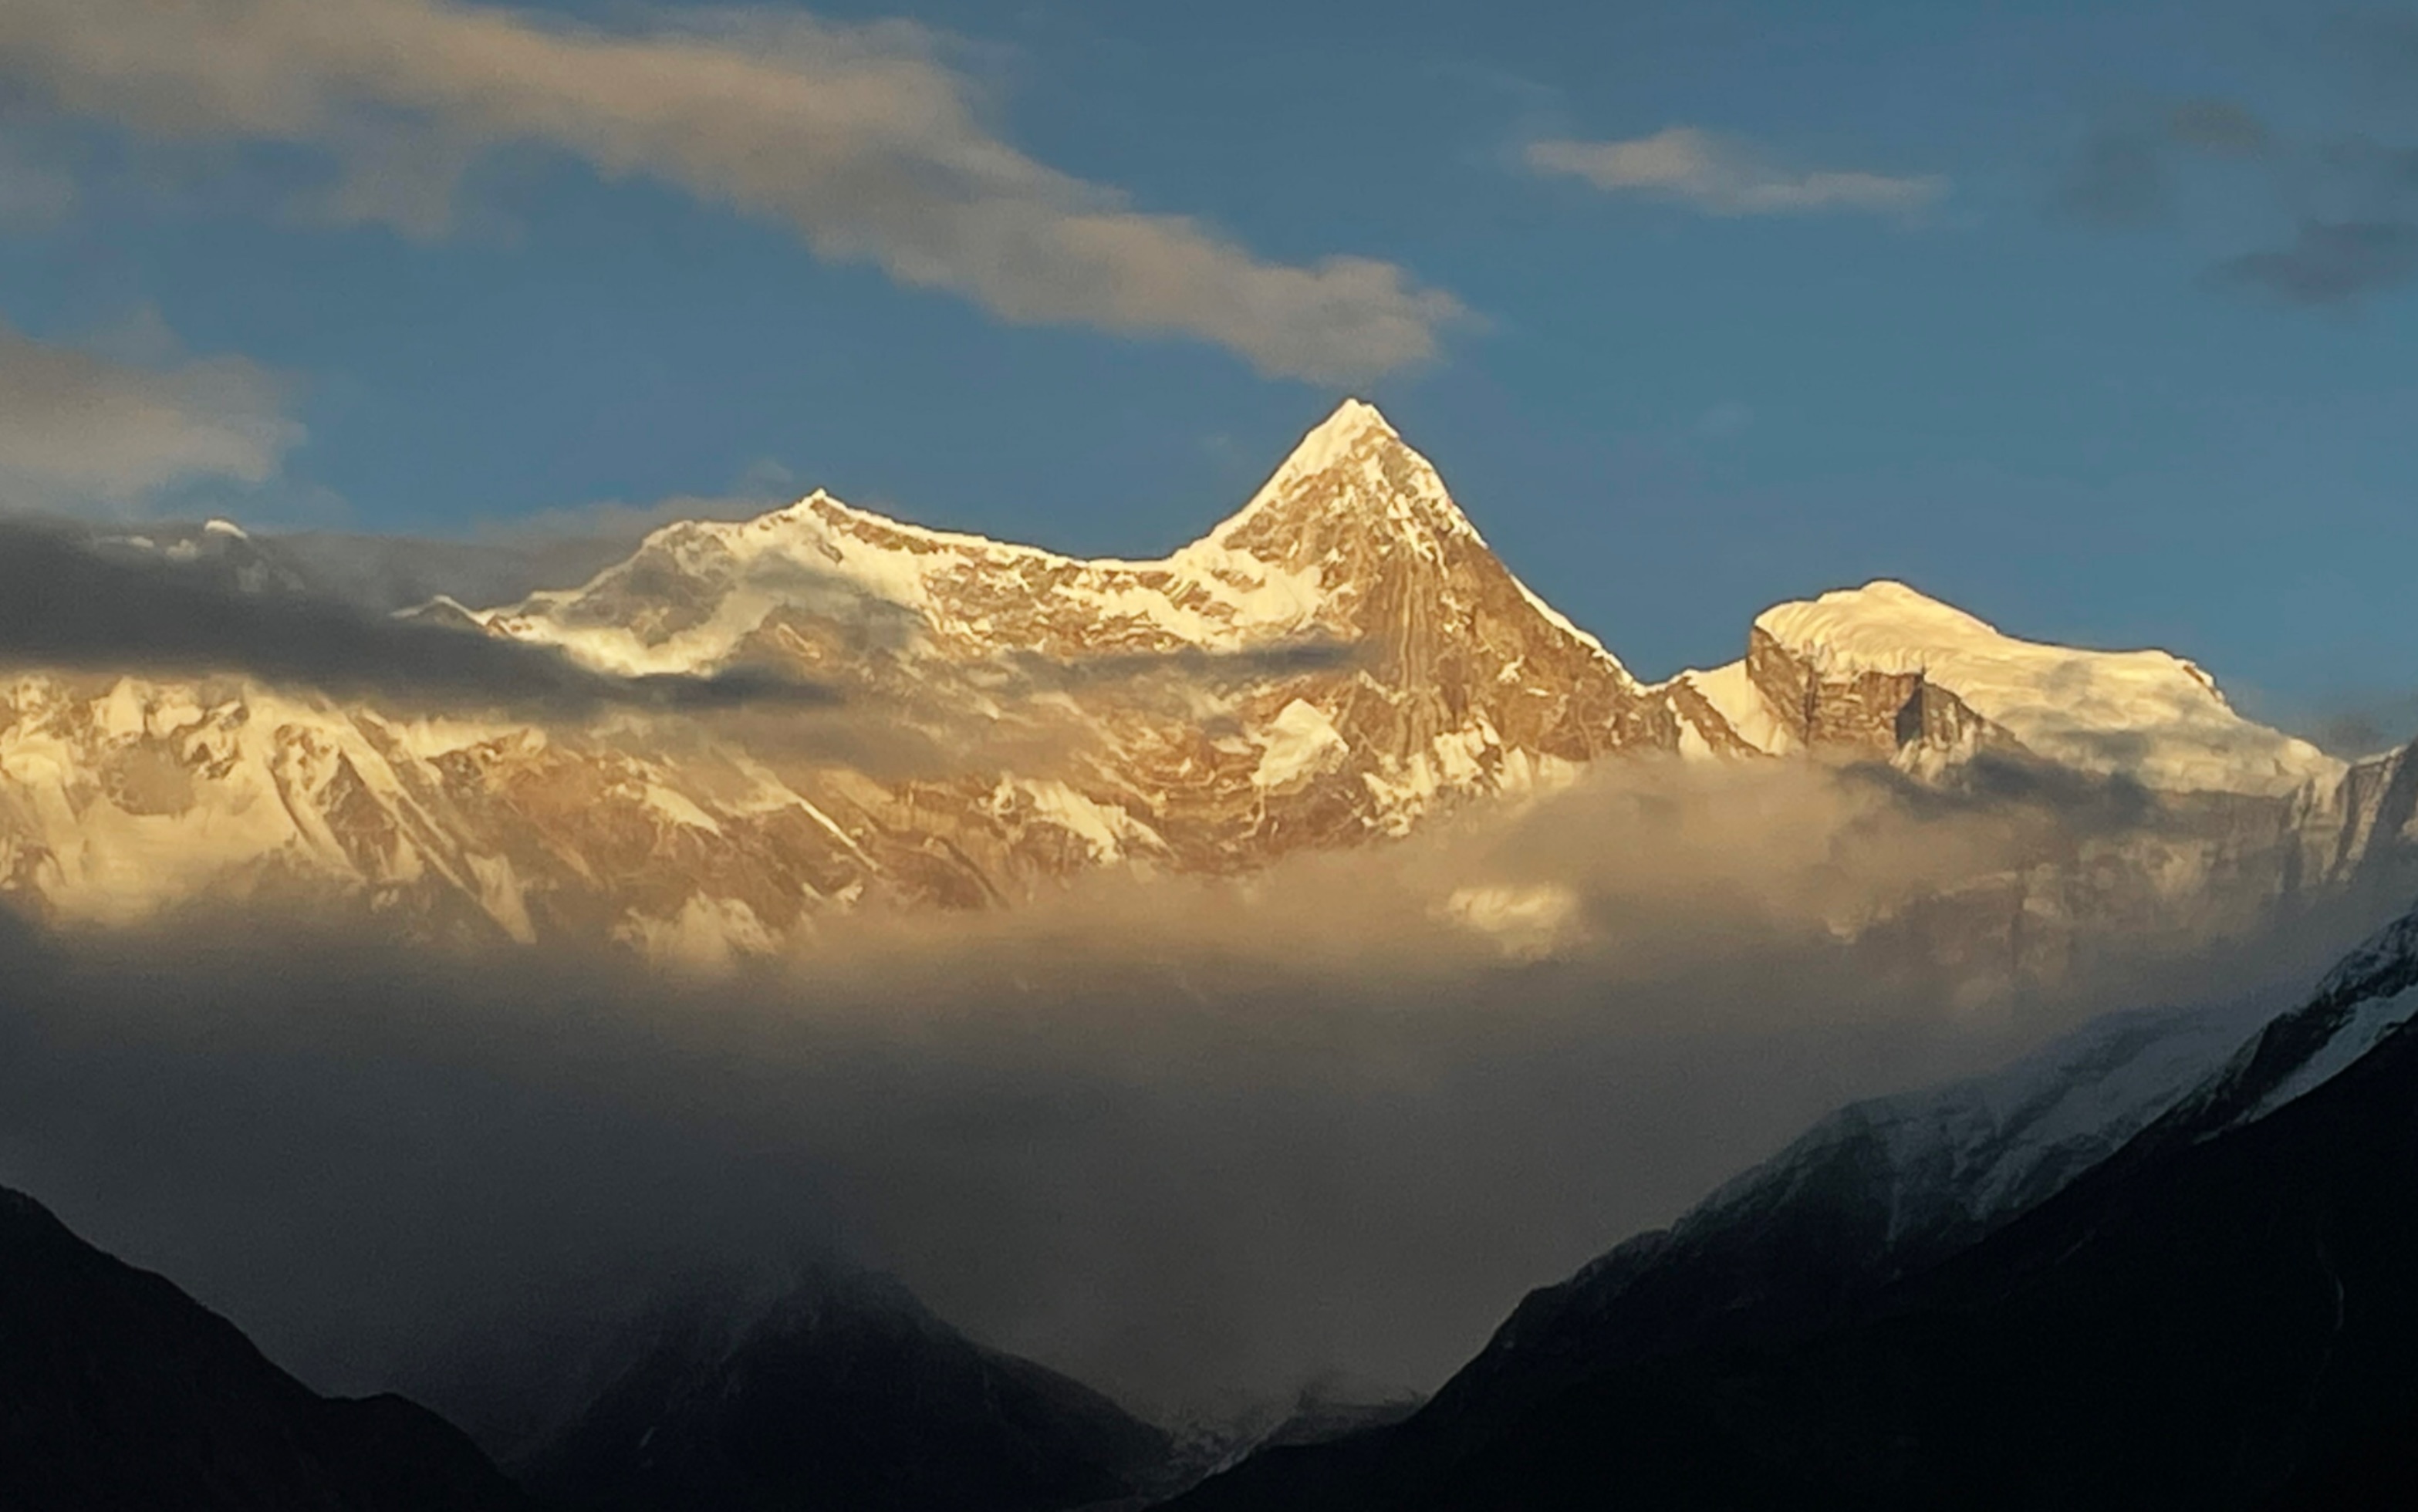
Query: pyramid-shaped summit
1354, 424
1352, 475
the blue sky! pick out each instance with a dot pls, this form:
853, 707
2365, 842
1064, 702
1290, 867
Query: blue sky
2095, 319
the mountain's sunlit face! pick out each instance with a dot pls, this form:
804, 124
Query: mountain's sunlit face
953, 758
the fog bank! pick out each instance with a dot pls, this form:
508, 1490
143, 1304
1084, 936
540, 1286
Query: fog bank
1191, 1141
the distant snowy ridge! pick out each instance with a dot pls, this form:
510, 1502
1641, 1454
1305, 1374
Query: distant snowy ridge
2369, 997
1960, 1157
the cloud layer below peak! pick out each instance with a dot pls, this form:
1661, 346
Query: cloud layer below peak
858, 137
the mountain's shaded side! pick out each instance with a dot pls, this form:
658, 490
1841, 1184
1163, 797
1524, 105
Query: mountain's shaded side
1879, 1190
2219, 1315
2377, 1473
840, 1390
118, 1392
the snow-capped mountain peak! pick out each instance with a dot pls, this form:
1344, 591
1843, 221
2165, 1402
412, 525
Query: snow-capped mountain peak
1351, 485
1885, 626
1332, 438
1355, 430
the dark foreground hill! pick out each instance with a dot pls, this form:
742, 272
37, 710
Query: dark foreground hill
837, 1389
118, 1392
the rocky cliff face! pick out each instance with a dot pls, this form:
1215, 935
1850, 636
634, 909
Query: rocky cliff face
1861, 713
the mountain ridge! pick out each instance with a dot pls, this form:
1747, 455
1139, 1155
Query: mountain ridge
1340, 661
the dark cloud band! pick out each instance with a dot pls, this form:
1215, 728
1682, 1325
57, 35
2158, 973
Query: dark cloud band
64, 605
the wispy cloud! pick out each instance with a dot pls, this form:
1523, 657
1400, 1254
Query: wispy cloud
2116, 179
2332, 263
2351, 198
82, 430
861, 138
2222, 127
2122, 175
1722, 176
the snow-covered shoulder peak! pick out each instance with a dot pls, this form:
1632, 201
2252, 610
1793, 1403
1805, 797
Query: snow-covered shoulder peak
821, 513
2146, 714
1885, 626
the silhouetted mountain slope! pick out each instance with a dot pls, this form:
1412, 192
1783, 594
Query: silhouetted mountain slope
2377, 1473
119, 1392
841, 1392
2221, 1316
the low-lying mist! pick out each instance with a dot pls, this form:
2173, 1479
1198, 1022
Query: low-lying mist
1194, 1143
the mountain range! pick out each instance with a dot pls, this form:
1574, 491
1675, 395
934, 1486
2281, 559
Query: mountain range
1341, 662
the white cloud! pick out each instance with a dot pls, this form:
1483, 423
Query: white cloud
1725, 178
80, 430
859, 137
